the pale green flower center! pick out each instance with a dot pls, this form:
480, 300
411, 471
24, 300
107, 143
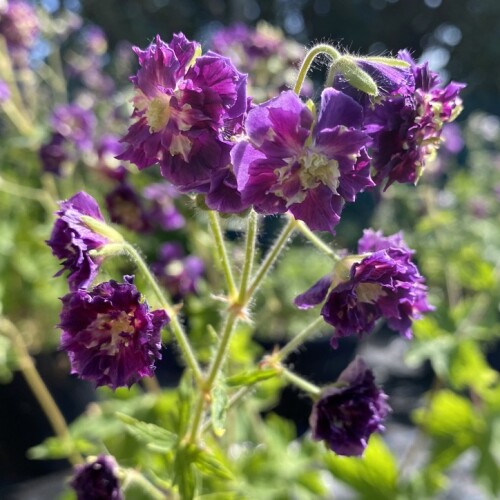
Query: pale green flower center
158, 113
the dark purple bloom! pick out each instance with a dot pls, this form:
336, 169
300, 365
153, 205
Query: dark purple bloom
380, 282
182, 105
126, 208
406, 127
75, 124
71, 240
97, 480
163, 211
110, 335
290, 161
178, 273
54, 154
348, 412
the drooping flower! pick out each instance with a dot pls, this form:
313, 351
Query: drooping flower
110, 335
97, 480
71, 239
178, 273
348, 412
380, 282
182, 105
75, 124
406, 127
292, 161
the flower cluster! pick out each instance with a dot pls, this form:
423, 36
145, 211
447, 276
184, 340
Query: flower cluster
380, 282
110, 335
347, 413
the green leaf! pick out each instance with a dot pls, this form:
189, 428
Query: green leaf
209, 464
374, 475
137, 487
251, 377
54, 448
448, 416
155, 437
185, 475
469, 368
218, 409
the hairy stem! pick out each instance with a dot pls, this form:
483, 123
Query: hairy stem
310, 56
221, 250
249, 255
298, 340
174, 323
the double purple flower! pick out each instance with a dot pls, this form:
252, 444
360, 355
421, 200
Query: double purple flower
347, 413
185, 109
380, 282
110, 335
292, 161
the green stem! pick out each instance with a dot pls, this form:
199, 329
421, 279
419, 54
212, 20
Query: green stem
300, 382
151, 385
17, 118
298, 340
38, 387
317, 242
212, 374
221, 350
310, 56
221, 250
174, 323
271, 257
249, 255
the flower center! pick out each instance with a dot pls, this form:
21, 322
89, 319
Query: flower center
158, 113
369, 292
318, 169
117, 331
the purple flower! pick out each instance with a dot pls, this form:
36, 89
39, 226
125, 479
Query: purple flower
290, 161
19, 26
75, 124
126, 208
176, 272
110, 335
97, 480
406, 128
108, 147
163, 211
54, 154
182, 105
380, 282
71, 240
348, 412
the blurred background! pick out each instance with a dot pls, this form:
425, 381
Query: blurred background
451, 220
